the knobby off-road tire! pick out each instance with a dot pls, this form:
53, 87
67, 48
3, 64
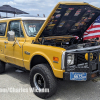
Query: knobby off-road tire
48, 80
2, 67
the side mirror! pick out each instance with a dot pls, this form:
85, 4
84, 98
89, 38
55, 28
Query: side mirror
11, 36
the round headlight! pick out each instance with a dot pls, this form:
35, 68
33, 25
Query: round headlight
70, 59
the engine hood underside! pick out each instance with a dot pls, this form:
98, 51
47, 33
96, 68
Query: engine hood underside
71, 19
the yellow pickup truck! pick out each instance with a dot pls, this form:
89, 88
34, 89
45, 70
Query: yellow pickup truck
49, 48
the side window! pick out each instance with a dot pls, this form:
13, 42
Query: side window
2, 29
16, 27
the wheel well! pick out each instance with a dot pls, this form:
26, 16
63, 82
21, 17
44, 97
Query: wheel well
37, 59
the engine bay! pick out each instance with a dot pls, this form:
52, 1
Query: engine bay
68, 42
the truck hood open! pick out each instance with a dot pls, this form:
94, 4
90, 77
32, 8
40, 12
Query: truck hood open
69, 18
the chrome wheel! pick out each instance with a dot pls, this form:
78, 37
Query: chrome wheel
39, 81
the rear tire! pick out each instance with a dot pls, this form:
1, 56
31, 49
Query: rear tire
2, 67
41, 77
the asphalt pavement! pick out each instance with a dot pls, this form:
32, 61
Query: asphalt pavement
14, 78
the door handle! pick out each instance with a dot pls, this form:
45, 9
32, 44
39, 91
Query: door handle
5, 42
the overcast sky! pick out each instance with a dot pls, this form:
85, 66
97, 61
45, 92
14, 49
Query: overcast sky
40, 7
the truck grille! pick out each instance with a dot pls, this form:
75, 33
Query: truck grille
81, 58
90, 65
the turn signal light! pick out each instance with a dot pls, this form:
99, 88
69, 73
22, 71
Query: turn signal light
93, 75
55, 59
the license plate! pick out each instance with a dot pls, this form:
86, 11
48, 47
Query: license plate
78, 76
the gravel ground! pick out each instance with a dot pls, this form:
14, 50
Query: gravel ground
12, 78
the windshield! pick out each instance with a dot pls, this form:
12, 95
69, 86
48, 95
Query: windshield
32, 27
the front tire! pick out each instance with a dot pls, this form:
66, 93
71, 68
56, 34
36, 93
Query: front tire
41, 77
2, 67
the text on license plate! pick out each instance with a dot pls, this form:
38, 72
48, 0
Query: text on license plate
78, 76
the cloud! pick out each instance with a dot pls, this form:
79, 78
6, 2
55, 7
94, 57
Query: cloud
95, 3
30, 9
41, 7
9, 3
25, 1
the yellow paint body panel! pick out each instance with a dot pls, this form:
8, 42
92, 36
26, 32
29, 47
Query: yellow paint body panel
48, 52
